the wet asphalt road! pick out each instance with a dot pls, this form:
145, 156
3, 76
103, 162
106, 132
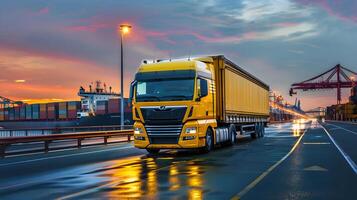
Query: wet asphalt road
314, 170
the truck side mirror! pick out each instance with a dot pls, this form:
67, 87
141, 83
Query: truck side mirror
131, 92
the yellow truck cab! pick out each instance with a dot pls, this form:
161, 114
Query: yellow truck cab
196, 103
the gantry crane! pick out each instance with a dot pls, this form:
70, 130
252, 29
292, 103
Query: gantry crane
5, 102
337, 77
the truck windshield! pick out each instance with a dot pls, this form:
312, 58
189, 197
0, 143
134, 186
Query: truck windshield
165, 90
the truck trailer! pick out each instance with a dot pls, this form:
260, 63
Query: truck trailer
196, 103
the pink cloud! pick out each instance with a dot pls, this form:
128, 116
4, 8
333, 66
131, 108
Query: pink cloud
331, 7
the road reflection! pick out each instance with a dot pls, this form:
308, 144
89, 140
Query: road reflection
153, 177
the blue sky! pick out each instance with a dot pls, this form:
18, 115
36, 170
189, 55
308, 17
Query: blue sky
56, 46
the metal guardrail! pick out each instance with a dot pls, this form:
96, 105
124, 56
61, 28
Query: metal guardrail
18, 132
47, 139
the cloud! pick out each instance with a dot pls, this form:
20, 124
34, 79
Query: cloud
343, 10
265, 9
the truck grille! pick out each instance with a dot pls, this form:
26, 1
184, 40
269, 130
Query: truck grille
163, 134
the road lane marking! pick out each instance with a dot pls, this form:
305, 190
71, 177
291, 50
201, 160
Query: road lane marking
339, 127
63, 156
316, 143
264, 174
347, 158
315, 168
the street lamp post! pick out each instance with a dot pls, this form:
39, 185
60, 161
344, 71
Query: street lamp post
123, 28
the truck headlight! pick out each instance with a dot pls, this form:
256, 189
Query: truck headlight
138, 130
191, 130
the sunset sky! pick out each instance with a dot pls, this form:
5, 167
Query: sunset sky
50, 48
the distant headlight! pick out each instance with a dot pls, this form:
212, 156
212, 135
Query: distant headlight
191, 130
138, 130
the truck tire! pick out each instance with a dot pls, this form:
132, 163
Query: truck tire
232, 134
263, 130
209, 141
260, 133
153, 151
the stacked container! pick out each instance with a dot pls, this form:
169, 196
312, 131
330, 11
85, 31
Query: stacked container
28, 112
11, 114
52, 111
62, 110
73, 107
17, 113
43, 111
6, 114
2, 114
113, 106
22, 112
101, 107
36, 111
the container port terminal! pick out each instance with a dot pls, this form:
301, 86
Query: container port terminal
86, 153
196, 100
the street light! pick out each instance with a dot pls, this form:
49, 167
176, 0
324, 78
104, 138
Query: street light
123, 29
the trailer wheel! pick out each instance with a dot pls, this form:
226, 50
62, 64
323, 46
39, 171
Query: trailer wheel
262, 130
232, 134
256, 132
209, 141
153, 151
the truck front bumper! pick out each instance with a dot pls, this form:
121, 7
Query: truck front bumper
185, 140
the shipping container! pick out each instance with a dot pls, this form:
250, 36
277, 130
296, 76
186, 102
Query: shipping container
113, 106
35, 111
17, 113
101, 107
73, 108
2, 114
52, 111
62, 110
11, 114
22, 112
43, 111
6, 114
28, 112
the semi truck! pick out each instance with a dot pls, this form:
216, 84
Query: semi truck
196, 103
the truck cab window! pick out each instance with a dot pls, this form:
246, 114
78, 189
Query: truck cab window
202, 87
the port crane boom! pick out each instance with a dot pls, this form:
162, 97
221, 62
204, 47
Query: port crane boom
337, 77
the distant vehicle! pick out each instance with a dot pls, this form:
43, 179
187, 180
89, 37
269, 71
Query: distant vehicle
196, 103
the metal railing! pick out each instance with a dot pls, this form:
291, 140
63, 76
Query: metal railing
19, 132
46, 140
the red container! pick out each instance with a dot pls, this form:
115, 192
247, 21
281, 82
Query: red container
113, 106
43, 111
52, 111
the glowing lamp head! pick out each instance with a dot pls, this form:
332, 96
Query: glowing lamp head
124, 28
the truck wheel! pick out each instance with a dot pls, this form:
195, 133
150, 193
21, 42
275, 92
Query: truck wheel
260, 134
256, 132
263, 130
232, 134
209, 141
153, 151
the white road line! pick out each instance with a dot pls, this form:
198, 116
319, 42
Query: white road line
63, 156
347, 158
344, 129
265, 173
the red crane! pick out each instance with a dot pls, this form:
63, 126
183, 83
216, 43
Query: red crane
336, 78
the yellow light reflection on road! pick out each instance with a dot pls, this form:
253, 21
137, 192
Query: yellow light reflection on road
195, 182
135, 177
173, 178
